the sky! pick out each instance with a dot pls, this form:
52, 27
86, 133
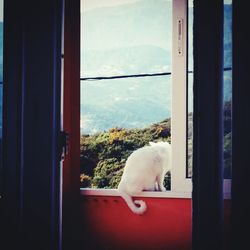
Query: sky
92, 4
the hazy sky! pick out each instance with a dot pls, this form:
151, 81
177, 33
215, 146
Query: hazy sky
92, 4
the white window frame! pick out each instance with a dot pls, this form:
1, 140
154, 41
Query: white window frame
181, 186
179, 181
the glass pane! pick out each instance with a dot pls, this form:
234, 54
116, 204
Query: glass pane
190, 91
123, 38
1, 86
124, 103
227, 88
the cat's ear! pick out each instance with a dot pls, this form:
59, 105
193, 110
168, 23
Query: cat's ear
152, 143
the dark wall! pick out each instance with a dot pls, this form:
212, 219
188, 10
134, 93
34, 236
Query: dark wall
240, 126
31, 128
208, 125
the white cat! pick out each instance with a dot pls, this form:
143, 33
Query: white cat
145, 170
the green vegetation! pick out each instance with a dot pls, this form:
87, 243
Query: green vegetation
103, 155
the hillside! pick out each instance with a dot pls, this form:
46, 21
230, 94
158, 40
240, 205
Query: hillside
103, 155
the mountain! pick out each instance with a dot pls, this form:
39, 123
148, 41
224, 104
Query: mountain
131, 39
145, 22
127, 103
126, 60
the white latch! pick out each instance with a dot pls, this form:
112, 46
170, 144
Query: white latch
180, 37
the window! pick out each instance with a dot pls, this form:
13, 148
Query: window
227, 87
190, 92
227, 77
133, 86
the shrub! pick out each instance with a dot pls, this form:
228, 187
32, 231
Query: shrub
85, 181
103, 155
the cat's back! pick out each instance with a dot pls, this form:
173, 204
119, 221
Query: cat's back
150, 156
160, 148
142, 153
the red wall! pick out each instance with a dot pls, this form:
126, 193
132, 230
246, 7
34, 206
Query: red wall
108, 223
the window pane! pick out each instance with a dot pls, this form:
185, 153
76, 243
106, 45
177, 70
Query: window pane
227, 87
190, 91
124, 103
125, 37
121, 38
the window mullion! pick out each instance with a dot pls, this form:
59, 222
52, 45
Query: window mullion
179, 182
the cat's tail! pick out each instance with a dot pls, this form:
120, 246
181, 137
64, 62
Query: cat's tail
132, 204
